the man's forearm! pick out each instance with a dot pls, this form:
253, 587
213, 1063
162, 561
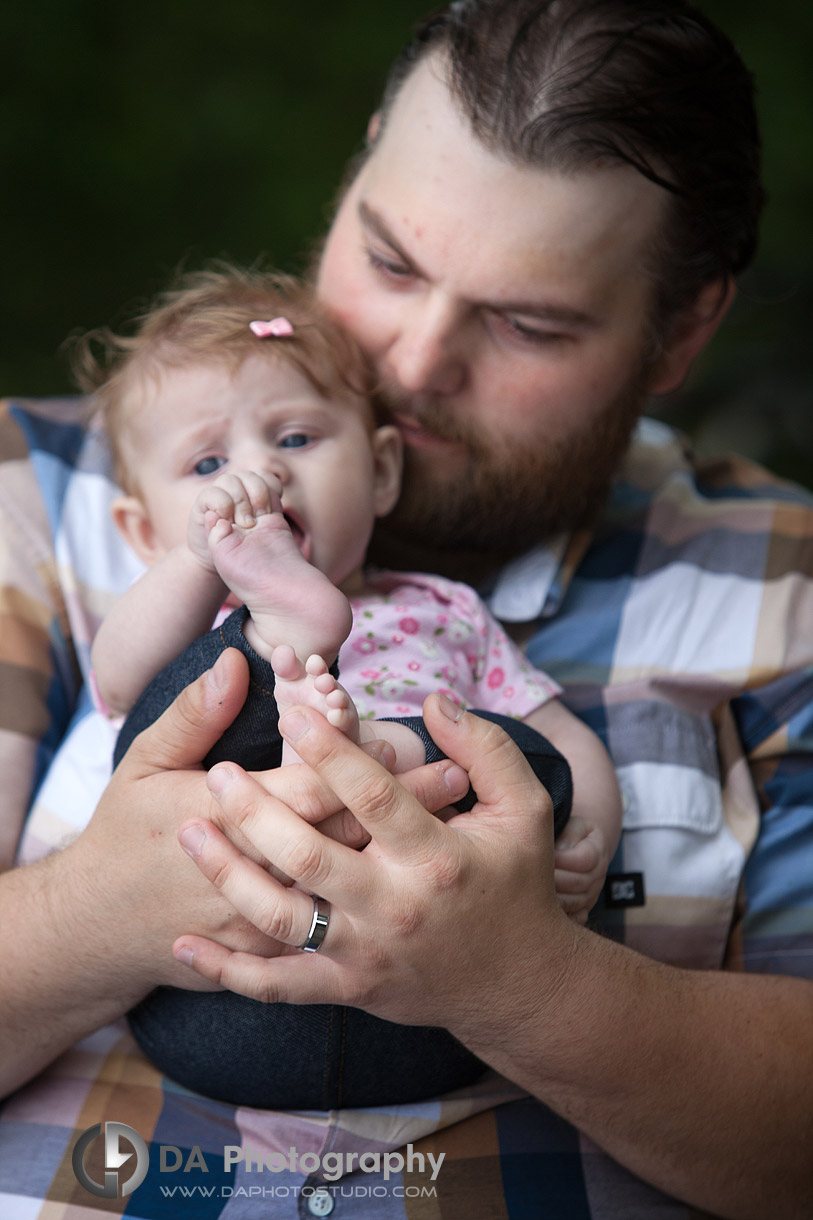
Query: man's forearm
61, 975
698, 1082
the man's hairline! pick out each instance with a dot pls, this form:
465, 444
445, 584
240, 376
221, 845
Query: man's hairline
659, 328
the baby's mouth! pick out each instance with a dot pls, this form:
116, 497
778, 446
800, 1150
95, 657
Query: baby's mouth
300, 535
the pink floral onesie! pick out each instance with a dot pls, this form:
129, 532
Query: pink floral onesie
414, 633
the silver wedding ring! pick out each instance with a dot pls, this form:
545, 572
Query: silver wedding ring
318, 928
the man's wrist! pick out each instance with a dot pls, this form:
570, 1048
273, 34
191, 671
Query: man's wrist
532, 1000
105, 937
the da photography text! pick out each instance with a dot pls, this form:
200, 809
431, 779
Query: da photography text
125, 1168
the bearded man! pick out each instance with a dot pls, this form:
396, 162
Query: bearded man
546, 230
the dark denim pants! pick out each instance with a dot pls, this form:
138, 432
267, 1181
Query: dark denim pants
284, 1056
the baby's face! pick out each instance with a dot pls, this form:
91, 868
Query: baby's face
198, 422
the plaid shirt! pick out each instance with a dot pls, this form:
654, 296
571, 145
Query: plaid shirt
681, 628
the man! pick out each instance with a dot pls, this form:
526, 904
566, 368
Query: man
522, 288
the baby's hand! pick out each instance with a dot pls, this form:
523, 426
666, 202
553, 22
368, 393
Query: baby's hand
581, 859
236, 499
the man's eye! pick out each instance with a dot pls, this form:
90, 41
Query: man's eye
209, 465
524, 333
388, 267
294, 440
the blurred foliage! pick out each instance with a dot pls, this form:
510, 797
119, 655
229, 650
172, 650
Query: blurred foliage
751, 390
135, 138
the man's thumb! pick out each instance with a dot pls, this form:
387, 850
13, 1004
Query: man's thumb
499, 773
187, 730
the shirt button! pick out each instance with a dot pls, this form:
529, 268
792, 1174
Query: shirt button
321, 1202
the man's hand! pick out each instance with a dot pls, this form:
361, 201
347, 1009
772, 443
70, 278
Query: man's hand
89, 931
135, 876
132, 838
423, 919
457, 924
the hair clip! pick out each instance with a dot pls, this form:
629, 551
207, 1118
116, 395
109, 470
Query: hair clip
274, 328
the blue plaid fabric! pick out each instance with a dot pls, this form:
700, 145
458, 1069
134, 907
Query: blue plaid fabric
681, 629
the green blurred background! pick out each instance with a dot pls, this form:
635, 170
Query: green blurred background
137, 137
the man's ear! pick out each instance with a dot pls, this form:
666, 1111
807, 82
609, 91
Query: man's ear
388, 455
690, 331
131, 519
373, 128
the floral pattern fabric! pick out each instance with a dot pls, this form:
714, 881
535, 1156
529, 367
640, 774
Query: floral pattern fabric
413, 634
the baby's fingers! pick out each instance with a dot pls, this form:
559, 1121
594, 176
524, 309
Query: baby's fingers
581, 848
214, 502
254, 495
232, 499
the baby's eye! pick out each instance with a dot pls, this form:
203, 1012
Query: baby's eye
294, 440
209, 465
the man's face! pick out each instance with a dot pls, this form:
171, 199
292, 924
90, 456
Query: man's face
506, 309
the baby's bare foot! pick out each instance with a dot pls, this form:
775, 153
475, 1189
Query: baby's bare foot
311, 685
289, 600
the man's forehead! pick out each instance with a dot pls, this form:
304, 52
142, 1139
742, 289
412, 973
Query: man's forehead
439, 189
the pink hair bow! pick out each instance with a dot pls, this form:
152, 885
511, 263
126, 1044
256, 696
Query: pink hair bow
274, 328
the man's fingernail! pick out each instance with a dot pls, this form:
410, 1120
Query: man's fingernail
449, 708
192, 839
456, 779
215, 677
217, 779
293, 725
185, 954
381, 752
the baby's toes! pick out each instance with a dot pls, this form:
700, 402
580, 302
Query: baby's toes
340, 718
285, 663
338, 699
316, 665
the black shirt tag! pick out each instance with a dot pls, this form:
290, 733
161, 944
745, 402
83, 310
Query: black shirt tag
624, 890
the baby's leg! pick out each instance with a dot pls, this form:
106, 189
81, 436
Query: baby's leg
257, 555
312, 685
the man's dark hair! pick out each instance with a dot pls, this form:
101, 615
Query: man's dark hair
567, 85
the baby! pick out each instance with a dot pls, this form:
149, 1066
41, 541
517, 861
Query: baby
246, 435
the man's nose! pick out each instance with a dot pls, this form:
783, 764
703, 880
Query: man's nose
427, 354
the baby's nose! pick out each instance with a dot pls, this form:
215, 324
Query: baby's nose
272, 465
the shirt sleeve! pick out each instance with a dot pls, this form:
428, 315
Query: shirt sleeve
38, 672
774, 934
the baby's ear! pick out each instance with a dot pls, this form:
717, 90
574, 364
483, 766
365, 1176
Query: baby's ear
388, 454
131, 519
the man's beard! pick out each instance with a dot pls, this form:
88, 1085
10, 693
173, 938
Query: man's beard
506, 498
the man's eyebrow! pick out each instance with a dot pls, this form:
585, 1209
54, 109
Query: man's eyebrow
543, 311
375, 223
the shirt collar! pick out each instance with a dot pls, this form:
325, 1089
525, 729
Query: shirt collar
522, 586
532, 586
